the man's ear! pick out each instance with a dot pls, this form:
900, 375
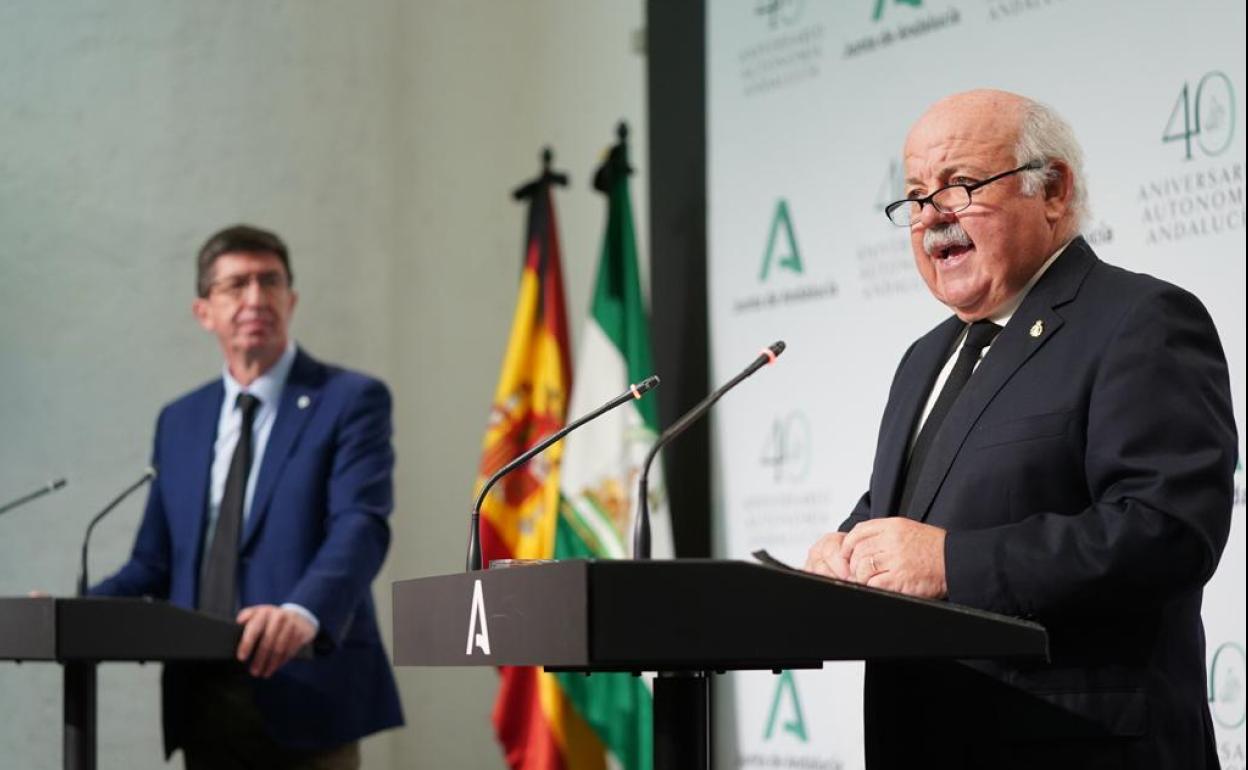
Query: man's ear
201, 311
1059, 191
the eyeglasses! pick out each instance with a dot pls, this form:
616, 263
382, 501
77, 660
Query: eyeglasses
947, 200
234, 287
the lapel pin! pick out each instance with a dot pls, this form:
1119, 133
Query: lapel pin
303, 401
1037, 328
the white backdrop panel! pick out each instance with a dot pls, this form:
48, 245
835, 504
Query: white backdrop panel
808, 107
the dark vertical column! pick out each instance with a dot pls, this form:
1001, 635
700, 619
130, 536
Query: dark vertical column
79, 715
676, 88
682, 721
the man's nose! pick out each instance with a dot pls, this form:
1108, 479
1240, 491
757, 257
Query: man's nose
930, 216
253, 292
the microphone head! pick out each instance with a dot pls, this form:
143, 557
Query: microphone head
771, 353
648, 384
55, 485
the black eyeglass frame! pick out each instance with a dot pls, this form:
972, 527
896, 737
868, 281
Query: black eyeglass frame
970, 188
234, 286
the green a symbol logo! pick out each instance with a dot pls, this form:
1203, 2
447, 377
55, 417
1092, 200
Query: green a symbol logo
790, 258
796, 724
879, 7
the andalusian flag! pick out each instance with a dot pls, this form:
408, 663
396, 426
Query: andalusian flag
602, 462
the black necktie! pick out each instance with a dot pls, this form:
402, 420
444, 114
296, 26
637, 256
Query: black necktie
978, 337
217, 589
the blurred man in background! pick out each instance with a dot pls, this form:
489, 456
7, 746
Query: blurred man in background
271, 508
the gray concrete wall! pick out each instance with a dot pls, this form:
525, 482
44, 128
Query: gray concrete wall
382, 139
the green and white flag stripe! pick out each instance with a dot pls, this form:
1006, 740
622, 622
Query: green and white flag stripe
602, 461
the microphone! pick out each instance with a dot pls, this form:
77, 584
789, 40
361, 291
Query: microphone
147, 476
474, 532
38, 493
641, 527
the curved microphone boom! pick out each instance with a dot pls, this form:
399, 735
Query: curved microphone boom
147, 476
641, 526
50, 487
474, 532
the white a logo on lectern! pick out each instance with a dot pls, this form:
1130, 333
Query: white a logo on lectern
477, 616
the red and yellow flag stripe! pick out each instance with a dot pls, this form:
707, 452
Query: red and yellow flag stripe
533, 718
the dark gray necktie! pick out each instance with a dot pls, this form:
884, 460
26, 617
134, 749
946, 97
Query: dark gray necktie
978, 337
218, 578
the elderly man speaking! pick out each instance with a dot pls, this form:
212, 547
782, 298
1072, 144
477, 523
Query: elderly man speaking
1060, 449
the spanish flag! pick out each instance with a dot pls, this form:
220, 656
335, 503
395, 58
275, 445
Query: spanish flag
535, 722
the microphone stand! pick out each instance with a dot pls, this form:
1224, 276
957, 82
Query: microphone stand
38, 493
641, 527
474, 530
148, 475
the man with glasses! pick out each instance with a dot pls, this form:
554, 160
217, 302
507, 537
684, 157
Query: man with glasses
1062, 449
271, 508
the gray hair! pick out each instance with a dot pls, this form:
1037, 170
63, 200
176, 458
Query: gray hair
1045, 136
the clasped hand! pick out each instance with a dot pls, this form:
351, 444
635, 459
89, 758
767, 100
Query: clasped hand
271, 637
894, 553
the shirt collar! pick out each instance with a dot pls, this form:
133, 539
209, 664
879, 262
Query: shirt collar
268, 386
1006, 311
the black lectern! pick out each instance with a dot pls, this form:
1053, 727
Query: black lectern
80, 633
684, 619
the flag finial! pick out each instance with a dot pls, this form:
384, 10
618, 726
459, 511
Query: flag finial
548, 177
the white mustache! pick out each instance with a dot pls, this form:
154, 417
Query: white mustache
936, 239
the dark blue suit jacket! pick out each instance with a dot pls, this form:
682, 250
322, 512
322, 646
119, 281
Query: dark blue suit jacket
316, 536
1084, 478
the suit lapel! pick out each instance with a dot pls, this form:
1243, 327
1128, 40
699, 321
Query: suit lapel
914, 382
200, 452
300, 398
1031, 327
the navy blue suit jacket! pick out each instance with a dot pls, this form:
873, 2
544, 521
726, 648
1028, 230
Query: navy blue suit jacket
1084, 477
316, 535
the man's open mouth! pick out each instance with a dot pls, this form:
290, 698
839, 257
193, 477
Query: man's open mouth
953, 250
